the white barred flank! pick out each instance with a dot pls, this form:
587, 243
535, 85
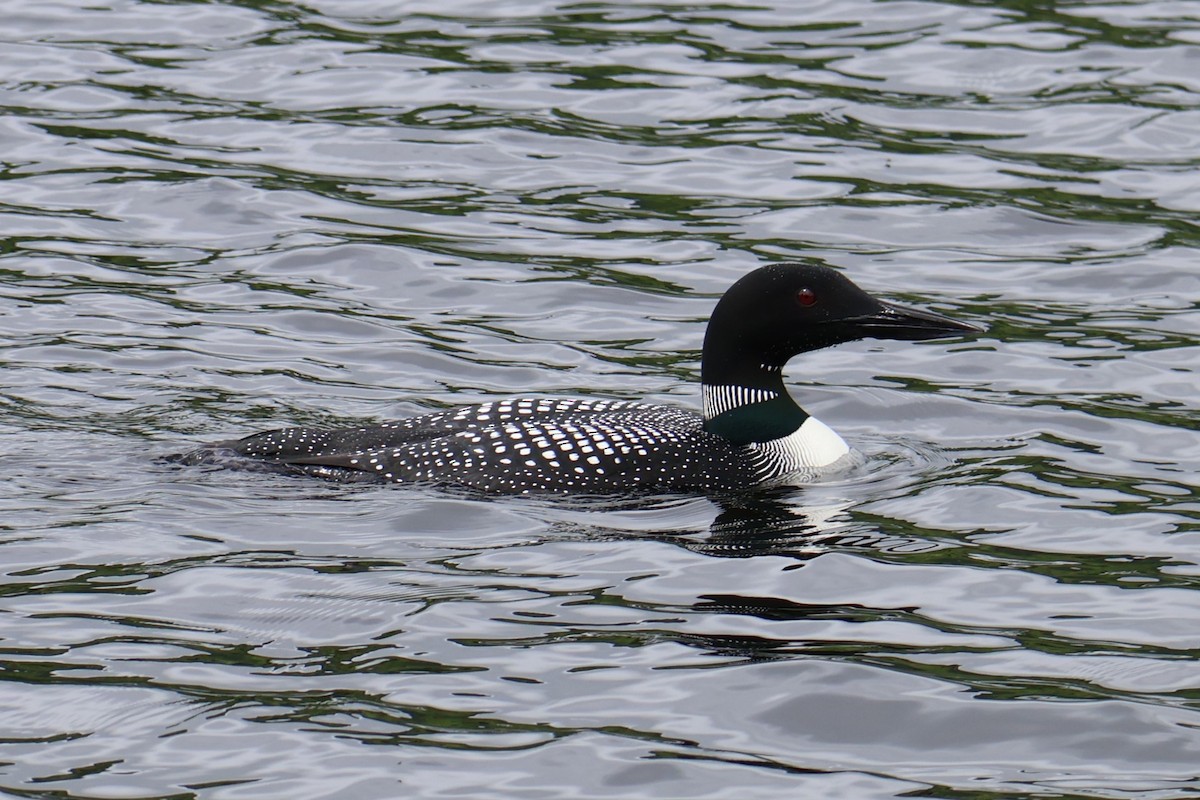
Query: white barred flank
719, 399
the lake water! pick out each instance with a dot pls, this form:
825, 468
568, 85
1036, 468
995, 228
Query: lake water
223, 217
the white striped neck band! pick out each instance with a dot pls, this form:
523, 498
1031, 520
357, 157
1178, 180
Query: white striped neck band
719, 399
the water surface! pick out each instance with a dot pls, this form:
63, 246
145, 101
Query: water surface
224, 217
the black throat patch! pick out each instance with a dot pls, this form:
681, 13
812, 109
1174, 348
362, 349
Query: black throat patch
755, 421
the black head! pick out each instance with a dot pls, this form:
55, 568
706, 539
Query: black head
782, 310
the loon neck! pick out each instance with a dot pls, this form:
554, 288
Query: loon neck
750, 405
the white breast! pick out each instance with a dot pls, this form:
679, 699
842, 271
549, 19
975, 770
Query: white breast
812, 449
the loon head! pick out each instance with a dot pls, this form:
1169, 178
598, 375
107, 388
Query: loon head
782, 310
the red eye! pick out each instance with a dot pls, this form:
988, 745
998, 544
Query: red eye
806, 297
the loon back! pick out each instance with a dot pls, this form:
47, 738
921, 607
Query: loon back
751, 432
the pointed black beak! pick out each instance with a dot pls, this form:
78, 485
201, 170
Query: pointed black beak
894, 321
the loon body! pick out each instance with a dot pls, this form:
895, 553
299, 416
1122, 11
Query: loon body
751, 432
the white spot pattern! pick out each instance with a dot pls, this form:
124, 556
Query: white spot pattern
565, 445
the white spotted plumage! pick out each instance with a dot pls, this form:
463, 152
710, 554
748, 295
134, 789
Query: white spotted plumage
527, 445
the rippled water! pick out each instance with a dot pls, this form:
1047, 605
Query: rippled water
224, 217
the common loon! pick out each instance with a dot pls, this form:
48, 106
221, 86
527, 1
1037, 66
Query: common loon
751, 432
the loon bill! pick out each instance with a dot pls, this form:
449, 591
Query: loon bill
750, 434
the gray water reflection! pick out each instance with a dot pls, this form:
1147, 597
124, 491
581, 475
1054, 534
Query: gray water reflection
228, 217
